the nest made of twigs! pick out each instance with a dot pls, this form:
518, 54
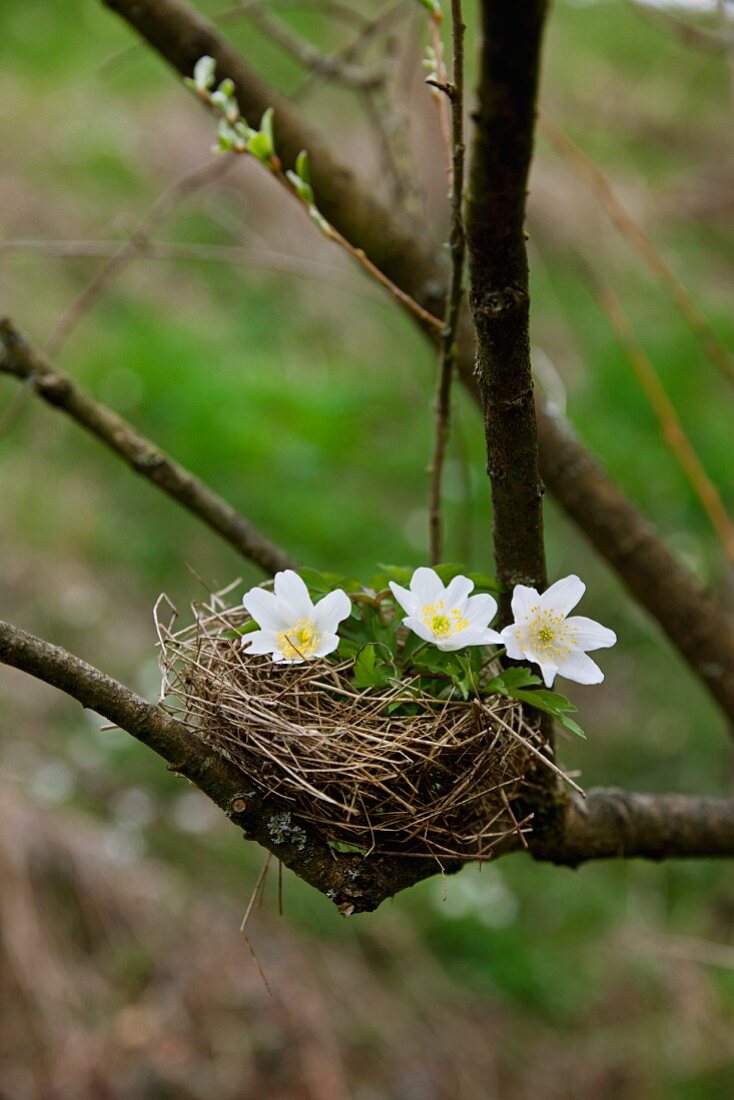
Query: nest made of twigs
438, 782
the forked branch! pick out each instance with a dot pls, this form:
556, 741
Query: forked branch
693, 621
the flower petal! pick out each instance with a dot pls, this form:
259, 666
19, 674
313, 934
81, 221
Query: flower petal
328, 644
419, 627
470, 636
524, 599
405, 597
563, 596
590, 634
458, 591
480, 609
291, 589
266, 609
509, 640
329, 612
259, 642
549, 670
581, 669
426, 585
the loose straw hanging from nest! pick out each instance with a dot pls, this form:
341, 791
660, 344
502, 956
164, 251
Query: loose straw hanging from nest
439, 782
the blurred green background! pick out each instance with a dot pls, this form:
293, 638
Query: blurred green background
271, 367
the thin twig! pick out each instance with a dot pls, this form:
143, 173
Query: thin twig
457, 247
257, 894
358, 254
438, 95
346, 54
595, 178
331, 67
145, 458
667, 417
690, 34
284, 263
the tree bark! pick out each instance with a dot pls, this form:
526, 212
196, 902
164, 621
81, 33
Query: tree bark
500, 303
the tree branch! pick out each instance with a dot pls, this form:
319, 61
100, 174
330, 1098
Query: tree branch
354, 884
60, 391
607, 824
693, 619
500, 303
614, 526
181, 35
614, 824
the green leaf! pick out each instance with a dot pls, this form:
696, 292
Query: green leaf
302, 189
484, 583
303, 168
399, 573
432, 6
319, 582
448, 570
571, 725
266, 127
553, 703
261, 147
370, 670
342, 846
510, 680
348, 648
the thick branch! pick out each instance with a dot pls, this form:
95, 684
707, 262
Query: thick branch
613, 824
615, 527
693, 620
607, 824
503, 144
354, 884
60, 391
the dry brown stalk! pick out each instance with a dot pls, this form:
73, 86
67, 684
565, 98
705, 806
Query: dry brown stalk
457, 247
596, 179
668, 419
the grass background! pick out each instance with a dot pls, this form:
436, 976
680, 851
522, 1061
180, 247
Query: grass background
304, 398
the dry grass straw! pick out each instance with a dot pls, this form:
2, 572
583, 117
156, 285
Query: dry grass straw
437, 783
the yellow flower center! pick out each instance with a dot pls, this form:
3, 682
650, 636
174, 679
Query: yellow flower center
546, 634
444, 624
299, 641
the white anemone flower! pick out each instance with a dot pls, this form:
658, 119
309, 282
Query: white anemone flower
292, 629
543, 633
446, 615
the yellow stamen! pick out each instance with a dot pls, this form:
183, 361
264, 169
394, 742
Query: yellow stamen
444, 624
299, 641
547, 634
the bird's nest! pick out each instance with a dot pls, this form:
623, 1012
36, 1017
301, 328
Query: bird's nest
368, 772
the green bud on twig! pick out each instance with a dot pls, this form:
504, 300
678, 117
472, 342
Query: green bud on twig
318, 218
204, 72
434, 7
303, 168
302, 189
